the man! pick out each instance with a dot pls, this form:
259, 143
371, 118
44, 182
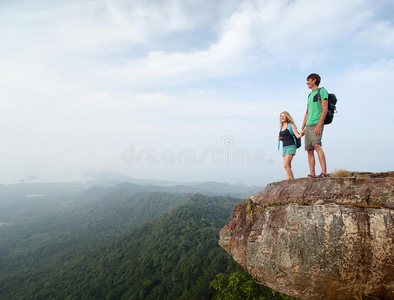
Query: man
313, 122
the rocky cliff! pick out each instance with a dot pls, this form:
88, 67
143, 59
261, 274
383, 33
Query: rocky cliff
322, 238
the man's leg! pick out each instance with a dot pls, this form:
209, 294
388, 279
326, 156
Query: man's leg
309, 137
311, 161
322, 158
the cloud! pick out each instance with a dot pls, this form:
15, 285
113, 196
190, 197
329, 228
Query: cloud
371, 82
115, 43
222, 57
80, 80
253, 36
116, 26
127, 107
380, 35
258, 34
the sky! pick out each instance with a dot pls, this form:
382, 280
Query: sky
189, 90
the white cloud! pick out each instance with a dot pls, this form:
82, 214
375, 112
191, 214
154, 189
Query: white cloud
259, 34
224, 57
380, 34
100, 40
370, 83
118, 25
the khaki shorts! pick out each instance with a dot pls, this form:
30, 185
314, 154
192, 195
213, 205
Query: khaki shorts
310, 139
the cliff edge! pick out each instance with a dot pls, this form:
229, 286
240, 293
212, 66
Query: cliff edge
320, 238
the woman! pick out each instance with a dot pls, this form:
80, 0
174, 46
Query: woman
289, 147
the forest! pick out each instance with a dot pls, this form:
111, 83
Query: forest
120, 242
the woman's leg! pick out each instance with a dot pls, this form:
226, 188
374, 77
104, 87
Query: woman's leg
287, 165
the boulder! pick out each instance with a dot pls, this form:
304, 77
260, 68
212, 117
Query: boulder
320, 238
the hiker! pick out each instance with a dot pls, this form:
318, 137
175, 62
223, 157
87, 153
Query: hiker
289, 143
313, 126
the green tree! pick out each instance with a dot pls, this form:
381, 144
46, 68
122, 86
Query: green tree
242, 286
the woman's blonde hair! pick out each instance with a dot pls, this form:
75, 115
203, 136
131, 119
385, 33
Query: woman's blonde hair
288, 117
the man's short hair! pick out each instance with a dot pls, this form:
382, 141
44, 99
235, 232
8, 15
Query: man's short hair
314, 76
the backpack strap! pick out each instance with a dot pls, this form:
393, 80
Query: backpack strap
290, 129
280, 128
291, 132
318, 94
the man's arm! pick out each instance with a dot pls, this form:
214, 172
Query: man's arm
324, 109
304, 123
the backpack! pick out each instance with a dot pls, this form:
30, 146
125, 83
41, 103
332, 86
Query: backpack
297, 141
332, 101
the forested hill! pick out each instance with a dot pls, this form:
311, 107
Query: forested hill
119, 242
114, 244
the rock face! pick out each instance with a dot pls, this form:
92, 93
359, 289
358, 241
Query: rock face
329, 238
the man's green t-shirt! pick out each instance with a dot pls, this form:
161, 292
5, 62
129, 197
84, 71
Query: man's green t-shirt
314, 106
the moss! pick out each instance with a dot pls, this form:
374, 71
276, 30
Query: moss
249, 211
371, 205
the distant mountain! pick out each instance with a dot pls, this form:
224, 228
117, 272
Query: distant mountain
50, 188
108, 178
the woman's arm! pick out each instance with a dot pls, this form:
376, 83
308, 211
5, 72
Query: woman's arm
294, 128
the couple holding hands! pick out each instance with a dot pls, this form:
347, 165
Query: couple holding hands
312, 128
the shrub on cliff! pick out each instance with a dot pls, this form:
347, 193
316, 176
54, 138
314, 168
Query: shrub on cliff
240, 285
